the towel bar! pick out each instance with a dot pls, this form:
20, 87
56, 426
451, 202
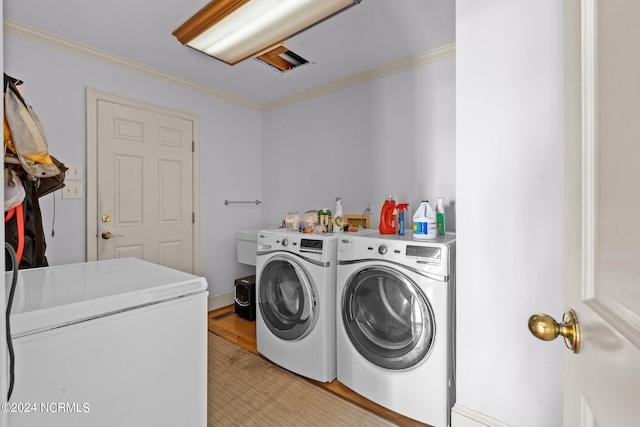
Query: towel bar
257, 202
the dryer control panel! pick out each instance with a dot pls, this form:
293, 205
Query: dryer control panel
317, 247
311, 245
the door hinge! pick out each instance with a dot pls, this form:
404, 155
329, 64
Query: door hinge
193, 217
193, 146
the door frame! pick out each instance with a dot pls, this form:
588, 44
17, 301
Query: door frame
95, 95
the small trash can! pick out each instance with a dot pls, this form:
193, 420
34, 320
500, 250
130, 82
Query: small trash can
245, 297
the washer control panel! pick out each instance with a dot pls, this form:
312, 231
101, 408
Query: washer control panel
431, 256
428, 254
423, 252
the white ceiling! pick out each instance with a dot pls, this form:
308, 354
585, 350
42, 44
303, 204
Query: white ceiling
364, 37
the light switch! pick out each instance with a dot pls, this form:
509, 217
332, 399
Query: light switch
74, 172
72, 190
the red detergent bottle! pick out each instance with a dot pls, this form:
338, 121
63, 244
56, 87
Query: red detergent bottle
389, 216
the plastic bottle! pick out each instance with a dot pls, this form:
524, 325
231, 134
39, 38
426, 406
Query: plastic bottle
324, 219
401, 208
440, 223
337, 217
388, 216
424, 222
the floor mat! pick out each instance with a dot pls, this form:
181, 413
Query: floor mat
247, 390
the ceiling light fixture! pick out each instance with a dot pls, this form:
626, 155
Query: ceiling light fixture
234, 30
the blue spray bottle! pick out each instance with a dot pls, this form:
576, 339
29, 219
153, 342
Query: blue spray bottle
401, 208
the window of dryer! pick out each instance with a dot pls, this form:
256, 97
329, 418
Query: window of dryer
388, 318
287, 299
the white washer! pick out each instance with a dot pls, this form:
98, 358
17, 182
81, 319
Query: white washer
396, 321
296, 294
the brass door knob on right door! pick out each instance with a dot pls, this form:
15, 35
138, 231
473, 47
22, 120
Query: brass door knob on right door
106, 235
544, 327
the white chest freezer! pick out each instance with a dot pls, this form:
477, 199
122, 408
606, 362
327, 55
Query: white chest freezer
109, 343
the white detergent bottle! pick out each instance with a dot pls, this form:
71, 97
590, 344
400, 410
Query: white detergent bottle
424, 222
337, 216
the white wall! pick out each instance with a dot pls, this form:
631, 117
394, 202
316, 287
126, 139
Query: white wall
55, 85
361, 143
509, 126
392, 135
381, 137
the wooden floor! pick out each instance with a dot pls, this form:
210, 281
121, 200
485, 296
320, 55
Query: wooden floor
225, 323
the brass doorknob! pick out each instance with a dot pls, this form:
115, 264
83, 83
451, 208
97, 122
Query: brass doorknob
107, 235
544, 327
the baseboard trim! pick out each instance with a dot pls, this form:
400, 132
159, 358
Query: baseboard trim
220, 300
465, 417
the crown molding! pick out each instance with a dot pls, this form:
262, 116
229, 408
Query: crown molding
53, 41
399, 66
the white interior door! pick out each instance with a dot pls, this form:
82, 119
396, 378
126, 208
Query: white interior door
144, 181
602, 201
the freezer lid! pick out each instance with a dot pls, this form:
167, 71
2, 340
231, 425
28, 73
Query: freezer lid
52, 297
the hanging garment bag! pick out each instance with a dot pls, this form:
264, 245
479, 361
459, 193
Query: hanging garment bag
27, 133
27, 160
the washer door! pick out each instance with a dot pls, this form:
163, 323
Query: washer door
388, 318
287, 298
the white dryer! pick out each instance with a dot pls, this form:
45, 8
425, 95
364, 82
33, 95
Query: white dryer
396, 322
296, 294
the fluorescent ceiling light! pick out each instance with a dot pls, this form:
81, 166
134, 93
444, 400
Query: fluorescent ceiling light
234, 30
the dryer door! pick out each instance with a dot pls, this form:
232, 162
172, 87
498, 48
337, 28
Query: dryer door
388, 318
287, 298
